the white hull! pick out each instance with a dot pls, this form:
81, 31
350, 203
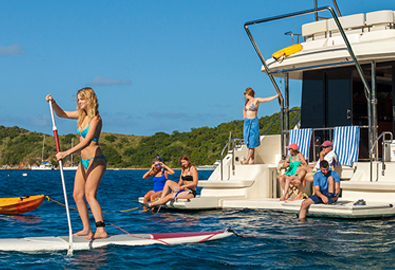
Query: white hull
34, 244
256, 187
74, 168
42, 169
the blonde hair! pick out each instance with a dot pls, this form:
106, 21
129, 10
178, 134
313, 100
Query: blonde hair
92, 105
249, 91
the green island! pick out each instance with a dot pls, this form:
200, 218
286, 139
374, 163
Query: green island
22, 149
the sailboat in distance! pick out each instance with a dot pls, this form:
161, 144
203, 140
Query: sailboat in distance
73, 166
45, 165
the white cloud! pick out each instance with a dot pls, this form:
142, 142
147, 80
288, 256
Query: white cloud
12, 49
102, 81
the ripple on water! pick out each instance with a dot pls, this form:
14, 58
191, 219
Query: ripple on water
274, 240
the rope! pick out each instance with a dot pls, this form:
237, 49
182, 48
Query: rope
73, 208
50, 199
149, 238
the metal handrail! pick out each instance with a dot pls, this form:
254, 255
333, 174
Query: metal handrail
313, 130
347, 43
233, 156
371, 152
275, 120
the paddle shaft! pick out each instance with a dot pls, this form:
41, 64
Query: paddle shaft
55, 133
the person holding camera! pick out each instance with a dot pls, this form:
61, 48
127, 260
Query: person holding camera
184, 189
160, 172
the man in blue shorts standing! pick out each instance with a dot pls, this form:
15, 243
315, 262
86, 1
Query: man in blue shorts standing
327, 188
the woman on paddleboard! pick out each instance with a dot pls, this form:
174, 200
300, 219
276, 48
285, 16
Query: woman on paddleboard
251, 123
93, 163
160, 172
184, 189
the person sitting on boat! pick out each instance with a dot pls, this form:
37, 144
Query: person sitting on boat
160, 172
326, 187
93, 163
293, 162
184, 189
251, 123
306, 173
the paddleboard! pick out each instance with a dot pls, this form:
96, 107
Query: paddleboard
53, 243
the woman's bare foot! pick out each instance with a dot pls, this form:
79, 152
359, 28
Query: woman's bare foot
100, 233
282, 199
83, 233
297, 197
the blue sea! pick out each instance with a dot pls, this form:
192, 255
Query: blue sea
273, 240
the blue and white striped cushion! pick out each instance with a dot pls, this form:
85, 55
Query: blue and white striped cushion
346, 144
302, 138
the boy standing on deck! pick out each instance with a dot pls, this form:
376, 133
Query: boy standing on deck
326, 186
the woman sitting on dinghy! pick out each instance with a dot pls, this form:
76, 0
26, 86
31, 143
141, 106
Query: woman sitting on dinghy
93, 163
251, 123
160, 171
184, 189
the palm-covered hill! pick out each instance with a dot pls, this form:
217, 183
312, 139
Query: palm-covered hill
21, 148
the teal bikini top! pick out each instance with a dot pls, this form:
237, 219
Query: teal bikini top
293, 166
84, 132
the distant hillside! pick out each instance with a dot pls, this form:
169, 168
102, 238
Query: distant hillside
21, 148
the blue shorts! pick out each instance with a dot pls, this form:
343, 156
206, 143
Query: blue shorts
317, 199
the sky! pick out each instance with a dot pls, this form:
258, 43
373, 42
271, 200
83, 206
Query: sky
156, 66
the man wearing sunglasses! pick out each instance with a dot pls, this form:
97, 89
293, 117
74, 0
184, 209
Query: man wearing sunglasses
327, 154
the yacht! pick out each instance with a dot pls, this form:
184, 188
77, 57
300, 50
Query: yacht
73, 166
208, 167
45, 165
347, 68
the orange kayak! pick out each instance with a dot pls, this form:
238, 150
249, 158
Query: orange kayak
19, 205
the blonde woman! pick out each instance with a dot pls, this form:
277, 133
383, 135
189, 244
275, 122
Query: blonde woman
93, 163
251, 123
184, 189
160, 172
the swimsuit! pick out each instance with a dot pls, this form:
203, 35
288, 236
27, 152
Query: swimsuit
293, 166
159, 182
84, 132
188, 178
252, 108
85, 162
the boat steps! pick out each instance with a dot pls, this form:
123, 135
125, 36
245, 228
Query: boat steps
343, 209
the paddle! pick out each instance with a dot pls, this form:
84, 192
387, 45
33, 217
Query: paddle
55, 133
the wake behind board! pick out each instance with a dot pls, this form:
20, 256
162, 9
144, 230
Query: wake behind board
53, 243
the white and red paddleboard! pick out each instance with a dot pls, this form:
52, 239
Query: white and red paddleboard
53, 243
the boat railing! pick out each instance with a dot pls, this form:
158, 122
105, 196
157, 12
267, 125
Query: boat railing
329, 137
274, 122
235, 145
373, 149
284, 107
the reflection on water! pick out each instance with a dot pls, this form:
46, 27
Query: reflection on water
22, 218
91, 259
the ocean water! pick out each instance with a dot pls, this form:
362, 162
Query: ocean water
273, 240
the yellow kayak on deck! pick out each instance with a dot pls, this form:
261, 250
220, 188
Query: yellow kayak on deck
19, 205
287, 51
